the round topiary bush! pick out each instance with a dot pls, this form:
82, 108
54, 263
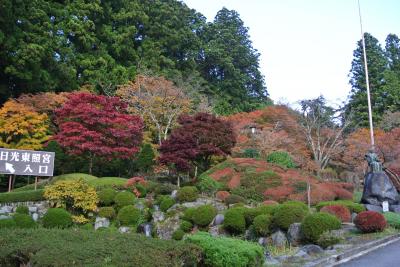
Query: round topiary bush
297, 204
107, 212
22, 210
125, 198
392, 219
178, 234
188, 214
261, 224
314, 225
57, 218
370, 221
187, 194
128, 215
341, 212
234, 221
281, 158
233, 199
204, 215
106, 196
287, 214
24, 221
7, 223
166, 203
186, 226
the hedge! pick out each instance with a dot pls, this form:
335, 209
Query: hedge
224, 251
352, 206
79, 247
24, 196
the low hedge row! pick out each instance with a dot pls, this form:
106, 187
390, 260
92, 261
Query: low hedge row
352, 206
24, 196
66, 247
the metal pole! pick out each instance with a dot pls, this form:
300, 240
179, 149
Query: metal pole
36, 182
371, 127
9, 183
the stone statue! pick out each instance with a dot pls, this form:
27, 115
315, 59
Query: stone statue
378, 187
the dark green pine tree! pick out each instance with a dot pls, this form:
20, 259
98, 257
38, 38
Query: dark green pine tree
231, 65
392, 50
377, 64
145, 159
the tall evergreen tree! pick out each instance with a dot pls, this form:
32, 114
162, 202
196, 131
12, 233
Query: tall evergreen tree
377, 64
392, 49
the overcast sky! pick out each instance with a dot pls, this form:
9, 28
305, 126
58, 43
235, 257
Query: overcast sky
307, 46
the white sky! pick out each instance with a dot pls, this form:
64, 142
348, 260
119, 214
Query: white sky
307, 46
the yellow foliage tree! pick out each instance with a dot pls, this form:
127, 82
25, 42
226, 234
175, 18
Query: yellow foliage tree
74, 195
21, 127
158, 101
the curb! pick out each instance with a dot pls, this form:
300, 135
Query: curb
354, 253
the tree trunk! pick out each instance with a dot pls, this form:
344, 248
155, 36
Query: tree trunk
90, 164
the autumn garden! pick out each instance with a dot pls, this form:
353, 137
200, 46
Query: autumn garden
168, 150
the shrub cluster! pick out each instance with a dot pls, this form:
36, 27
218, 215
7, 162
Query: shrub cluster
251, 213
57, 218
262, 224
166, 202
24, 196
7, 223
353, 207
178, 234
106, 196
24, 221
234, 221
204, 215
107, 212
392, 219
281, 158
187, 194
223, 251
370, 221
233, 199
314, 225
328, 238
124, 198
208, 185
339, 211
128, 215
287, 214
22, 210
186, 226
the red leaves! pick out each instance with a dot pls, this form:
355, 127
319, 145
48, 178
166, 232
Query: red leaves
98, 125
199, 137
341, 212
370, 221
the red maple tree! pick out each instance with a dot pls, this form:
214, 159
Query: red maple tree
199, 138
97, 126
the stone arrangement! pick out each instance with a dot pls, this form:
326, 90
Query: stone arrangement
36, 209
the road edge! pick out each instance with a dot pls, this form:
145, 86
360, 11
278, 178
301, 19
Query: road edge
355, 252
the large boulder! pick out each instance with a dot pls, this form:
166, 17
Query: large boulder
379, 188
279, 239
101, 222
294, 234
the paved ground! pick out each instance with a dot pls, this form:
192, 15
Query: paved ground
388, 256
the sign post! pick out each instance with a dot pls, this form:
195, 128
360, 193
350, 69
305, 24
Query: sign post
26, 162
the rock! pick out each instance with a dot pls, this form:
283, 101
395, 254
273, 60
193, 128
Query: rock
301, 254
312, 249
35, 216
124, 229
218, 220
158, 216
214, 231
166, 228
279, 239
6, 209
250, 234
101, 222
353, 216
269, 260
294, 234
371, 207
378, 188
145, 228
174, 194
139, 205
4, 217
395, 208
32, 209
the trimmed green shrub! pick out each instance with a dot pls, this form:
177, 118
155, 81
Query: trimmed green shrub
186, 226
24, 220
22, 210
315, 224
24, 196
74, 176
233, 199
286, 214
161, 188
142, 190
188, 214
328, 238
393, 219
187, 194
224, 251
106, 196
128, 215
204, 215
166, 203
57, 218
7, 223
107, 212
251, 213
108, 182
281, 158
62, 247
261, 224
125, 198
353, 207
299, 204
208, 185
234, 221
178, 234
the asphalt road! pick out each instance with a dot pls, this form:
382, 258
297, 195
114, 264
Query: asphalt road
388, 256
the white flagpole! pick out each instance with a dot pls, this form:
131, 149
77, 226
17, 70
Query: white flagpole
371, 128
